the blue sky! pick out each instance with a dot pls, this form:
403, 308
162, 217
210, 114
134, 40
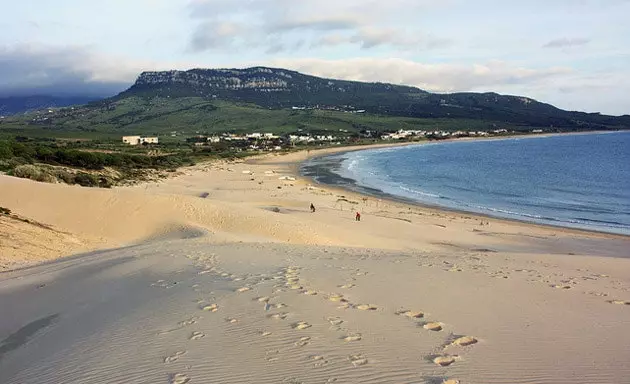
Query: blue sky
574, 54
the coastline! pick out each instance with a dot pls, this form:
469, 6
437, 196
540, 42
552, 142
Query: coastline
228, 254
299, 166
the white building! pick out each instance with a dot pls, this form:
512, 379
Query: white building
137, 140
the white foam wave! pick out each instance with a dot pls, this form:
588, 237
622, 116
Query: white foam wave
421, 193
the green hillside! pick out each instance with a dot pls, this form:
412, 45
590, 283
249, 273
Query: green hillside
281, 101
189, 116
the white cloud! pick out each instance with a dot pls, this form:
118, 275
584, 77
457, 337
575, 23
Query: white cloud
566, 42
75, 69
431, 77
268, 24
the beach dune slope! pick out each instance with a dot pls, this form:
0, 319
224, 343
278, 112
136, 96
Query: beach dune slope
183, 309
223, 275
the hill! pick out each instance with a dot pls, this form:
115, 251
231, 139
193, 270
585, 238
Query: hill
23, 104
281, 88
184, 103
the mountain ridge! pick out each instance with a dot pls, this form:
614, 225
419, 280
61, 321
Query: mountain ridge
11, 105
282, 88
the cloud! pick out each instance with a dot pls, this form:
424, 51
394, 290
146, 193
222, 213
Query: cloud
566, 42
431, 77
268, 24
332, 23
370, 37
211, 34
35, 69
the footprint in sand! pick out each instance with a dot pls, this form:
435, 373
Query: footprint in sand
179, 378
278, 316
263, 299
336, 298
618, 302
434, 326
445, 361
310, 292
196, 336
189, 321
319, 361
558, 286
303, 341
164, 284
357, 360
347, 286
301, 325
334, 320
231, 320
272, 355
410, 314
465, 341
211, 308
174, 357
366, 307
354, 337
181, 324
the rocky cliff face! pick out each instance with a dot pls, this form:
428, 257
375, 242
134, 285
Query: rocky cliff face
262, 79
259, 79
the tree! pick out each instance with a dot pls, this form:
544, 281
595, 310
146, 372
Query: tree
5, 150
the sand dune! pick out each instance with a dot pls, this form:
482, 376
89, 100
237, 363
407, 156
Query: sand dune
222, 275
174, 310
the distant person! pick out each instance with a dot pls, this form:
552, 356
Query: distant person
357, 217
312, 208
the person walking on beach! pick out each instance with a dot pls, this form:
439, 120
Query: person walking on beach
357, 217
312, 208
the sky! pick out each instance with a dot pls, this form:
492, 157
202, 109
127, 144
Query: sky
574, 54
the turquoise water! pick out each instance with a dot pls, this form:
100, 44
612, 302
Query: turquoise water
580, 181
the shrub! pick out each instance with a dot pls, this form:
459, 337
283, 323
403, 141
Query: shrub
29, 171
5, 165
17, 161
26, 171
105, 182
64, 176
5, 151
86, 180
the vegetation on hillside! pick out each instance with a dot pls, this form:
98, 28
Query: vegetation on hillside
281, 89
50, 161
189, 116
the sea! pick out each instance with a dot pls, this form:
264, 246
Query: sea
568, 180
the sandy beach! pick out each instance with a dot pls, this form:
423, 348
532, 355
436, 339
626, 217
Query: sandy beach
222, 274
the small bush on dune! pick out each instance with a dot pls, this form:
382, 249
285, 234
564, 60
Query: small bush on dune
5, 166
105, 182
27, 171
32, 172
64, 176
86, 180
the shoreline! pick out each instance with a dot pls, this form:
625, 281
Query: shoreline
229, 254
298, 166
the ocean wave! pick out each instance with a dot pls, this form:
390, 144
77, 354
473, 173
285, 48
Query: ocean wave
507, 212
593, 223
421, 193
